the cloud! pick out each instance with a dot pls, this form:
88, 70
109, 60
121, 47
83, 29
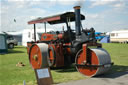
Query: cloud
92, 16
113, 17
107, 20
48, 2
19, 10
99, 2
4, 9
70, 2
112, 3
30, 3
118, 5
25, 10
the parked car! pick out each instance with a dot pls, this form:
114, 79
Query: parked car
11, 41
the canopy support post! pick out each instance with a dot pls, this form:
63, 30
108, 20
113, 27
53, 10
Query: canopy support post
35, 32
45, 26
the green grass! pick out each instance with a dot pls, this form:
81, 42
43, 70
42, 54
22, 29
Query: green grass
119, 55
10, 74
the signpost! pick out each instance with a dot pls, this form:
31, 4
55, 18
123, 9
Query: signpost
43, 76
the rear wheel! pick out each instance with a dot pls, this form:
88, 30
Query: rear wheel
51, 56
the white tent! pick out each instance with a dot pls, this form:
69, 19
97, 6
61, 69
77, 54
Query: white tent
15, 33
28, 35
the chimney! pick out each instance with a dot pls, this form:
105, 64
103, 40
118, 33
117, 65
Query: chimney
77, 20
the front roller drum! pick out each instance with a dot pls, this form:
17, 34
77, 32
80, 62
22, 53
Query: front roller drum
100, 62
38, 56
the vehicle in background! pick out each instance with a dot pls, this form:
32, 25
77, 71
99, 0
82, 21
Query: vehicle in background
11, 41
119, 36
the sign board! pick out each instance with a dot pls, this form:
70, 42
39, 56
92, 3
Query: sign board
43, 76
43, 73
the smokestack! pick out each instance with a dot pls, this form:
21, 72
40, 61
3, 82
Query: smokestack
78, 20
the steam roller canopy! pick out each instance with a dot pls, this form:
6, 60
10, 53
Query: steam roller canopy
38, 55
99, 56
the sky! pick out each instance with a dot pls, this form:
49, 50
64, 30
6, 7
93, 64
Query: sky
102, 15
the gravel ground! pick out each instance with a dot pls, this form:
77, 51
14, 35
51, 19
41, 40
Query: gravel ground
120, 78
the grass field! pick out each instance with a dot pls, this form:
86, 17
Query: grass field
10, 74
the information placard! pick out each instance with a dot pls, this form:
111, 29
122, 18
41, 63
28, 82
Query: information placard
43, 73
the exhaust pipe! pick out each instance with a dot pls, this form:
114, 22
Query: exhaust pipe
78, 20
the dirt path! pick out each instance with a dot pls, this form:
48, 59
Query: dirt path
120, 78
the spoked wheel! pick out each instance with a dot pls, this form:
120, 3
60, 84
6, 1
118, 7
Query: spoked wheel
98, 56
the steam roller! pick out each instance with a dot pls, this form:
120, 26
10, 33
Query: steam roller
63, 48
